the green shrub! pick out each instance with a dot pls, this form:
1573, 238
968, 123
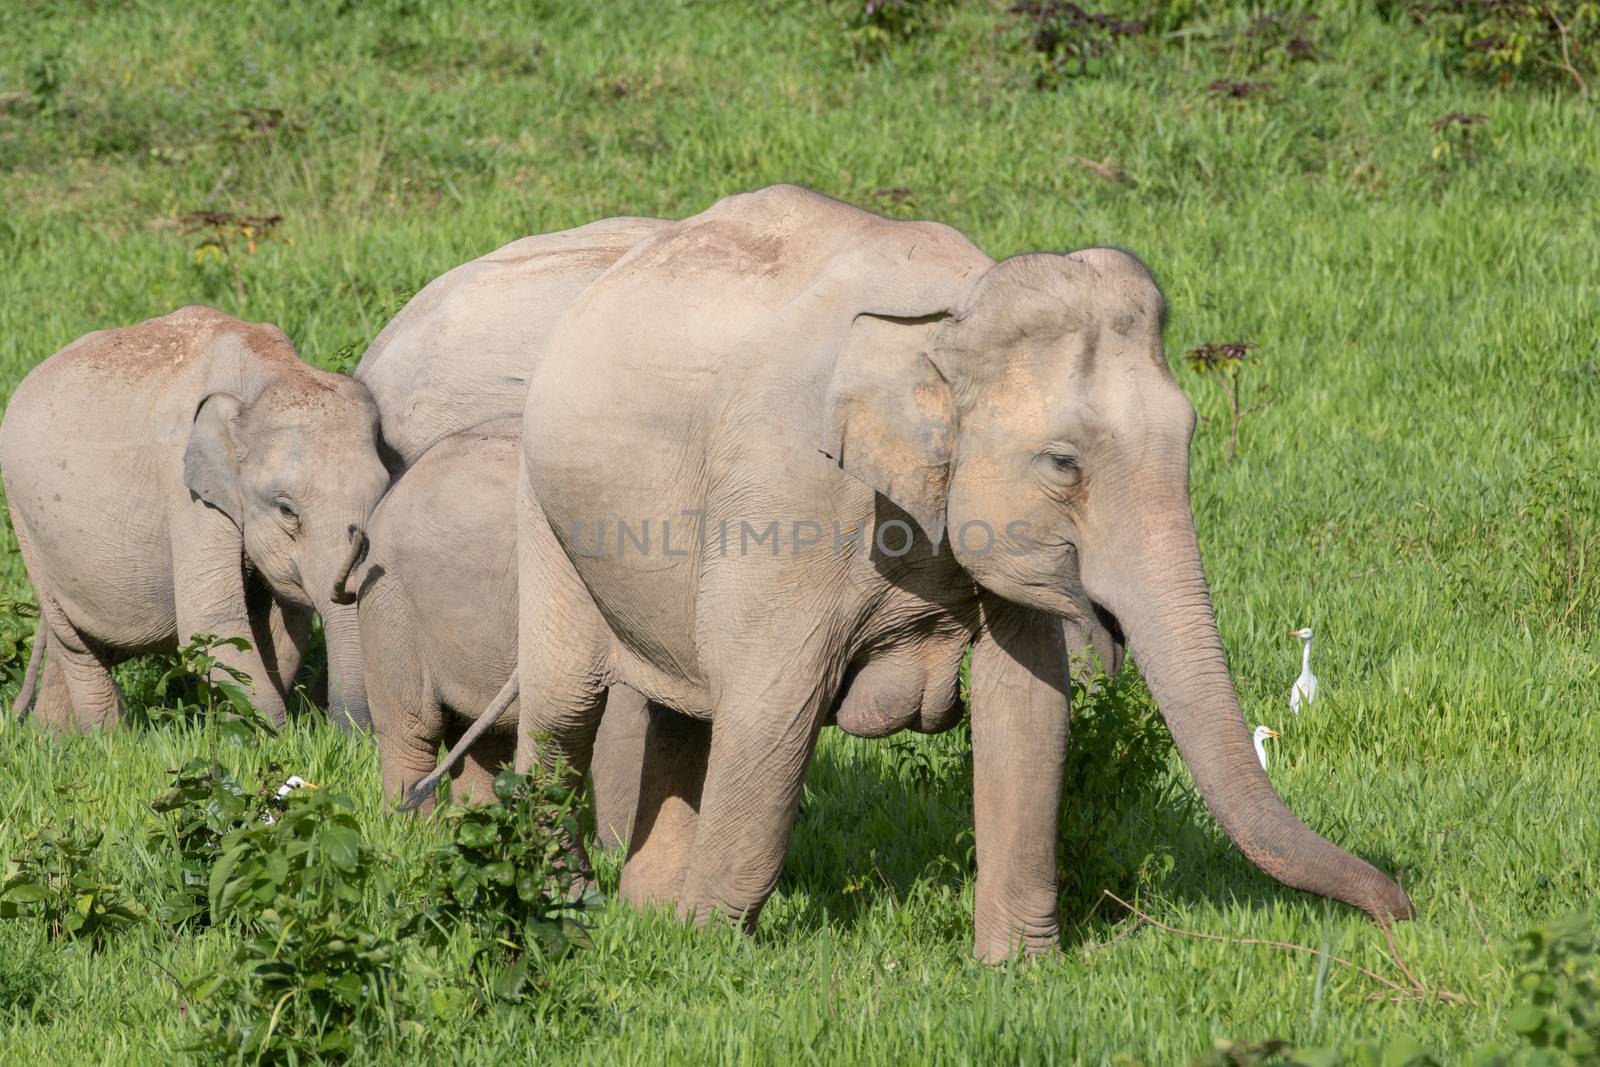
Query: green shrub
506, 877
205, 804
16, 641
58, 876
311, 977
1516, 40
873, 26
1117, 768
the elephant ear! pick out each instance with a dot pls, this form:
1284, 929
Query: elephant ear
891, 418
211, 460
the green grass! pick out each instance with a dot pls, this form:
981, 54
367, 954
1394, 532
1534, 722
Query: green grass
1422, 489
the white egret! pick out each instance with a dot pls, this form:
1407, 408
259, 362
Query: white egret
1260, 737
1305, 686
294, 782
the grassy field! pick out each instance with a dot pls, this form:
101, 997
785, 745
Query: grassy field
1422, 486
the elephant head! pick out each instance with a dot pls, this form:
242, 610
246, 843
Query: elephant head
297, 470
1034, 422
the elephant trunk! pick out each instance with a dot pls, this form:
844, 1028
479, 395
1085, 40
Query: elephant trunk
354, 554
347, 689
1160, 598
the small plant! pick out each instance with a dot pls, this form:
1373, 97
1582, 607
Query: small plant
57, 876
1508, 40
198, 686
1561, 983
1271, 38
1238, 90
311, 976
1064, 38
1223, 364
1116, 765
204, 806
1455, 134
16, 642
874, 26
44, 81
222, 234
507, 877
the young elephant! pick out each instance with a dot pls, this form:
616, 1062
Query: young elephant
438, 612
188, 475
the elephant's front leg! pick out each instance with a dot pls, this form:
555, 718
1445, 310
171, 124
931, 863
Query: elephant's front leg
208, 580
669, 779
282, 634
1020, 712
762, 740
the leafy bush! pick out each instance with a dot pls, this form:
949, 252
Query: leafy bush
58, 876
1063, 38
1561, 981
16, 640
1512, 40
311, 976
1116, 767
197, 687
205, 804
873, 26
507, 878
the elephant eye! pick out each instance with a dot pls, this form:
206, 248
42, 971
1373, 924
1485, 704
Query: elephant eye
1064, 466
286, 509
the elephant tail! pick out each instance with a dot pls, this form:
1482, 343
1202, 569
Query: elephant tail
491, 715
31, 678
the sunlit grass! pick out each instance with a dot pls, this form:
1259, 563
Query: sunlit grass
1421, 488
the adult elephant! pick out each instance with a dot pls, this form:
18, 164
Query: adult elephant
183, 476
460, 352
458, 356
788, 449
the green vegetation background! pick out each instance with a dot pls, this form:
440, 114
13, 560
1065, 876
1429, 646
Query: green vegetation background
1421, 488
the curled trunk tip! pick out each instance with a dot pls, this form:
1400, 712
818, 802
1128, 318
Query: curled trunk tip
341, 592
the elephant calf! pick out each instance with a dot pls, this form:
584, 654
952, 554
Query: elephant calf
182, 476
438, 615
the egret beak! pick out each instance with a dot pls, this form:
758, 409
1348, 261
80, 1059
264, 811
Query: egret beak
308, 785
1273, 733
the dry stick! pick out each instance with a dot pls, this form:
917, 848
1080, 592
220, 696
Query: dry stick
1417, 989
1566, 53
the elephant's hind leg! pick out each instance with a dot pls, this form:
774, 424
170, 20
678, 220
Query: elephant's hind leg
75, 684
92, 697
473, 779
669, 783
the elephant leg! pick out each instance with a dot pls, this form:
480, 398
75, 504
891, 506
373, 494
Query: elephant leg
208, 580
92, 694
669, 778
53, 703
406, 712
761, 744
282, 633
408, 744
614, 768
1020, 715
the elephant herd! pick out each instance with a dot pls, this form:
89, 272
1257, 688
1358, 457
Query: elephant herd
659, 500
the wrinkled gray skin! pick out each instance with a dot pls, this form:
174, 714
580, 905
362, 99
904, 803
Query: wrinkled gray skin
459, 355
189, 475
438, 611
460, 352
785, 357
